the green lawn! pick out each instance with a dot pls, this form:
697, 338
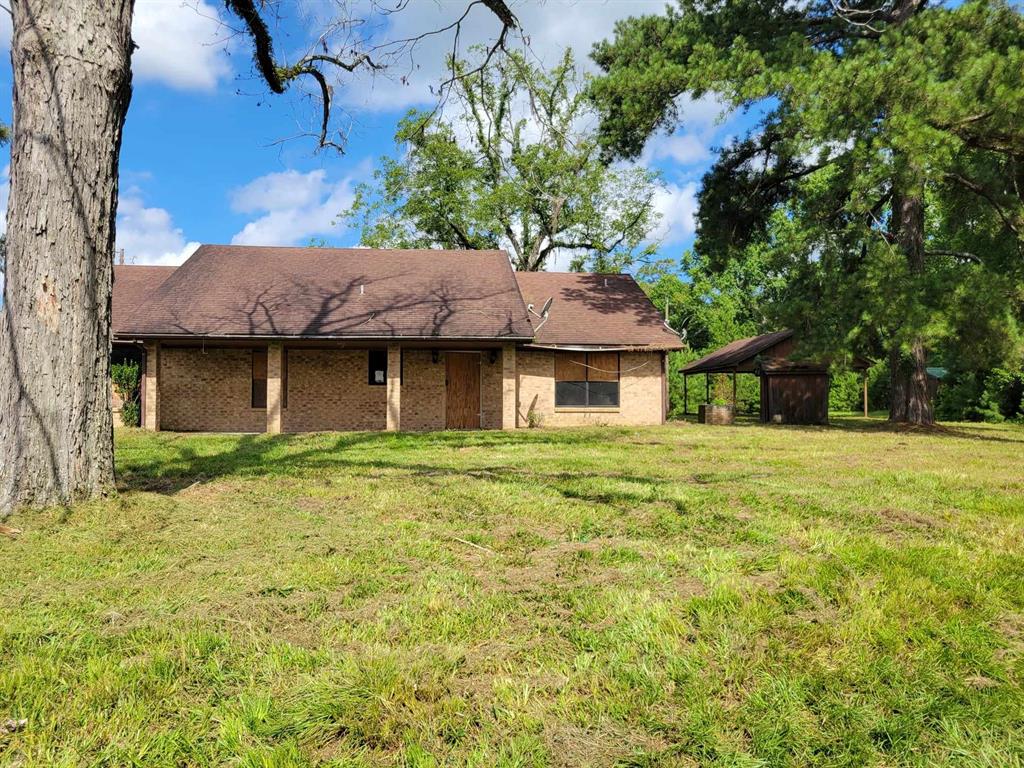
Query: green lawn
683, 595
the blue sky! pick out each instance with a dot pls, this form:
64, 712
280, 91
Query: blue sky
207, 155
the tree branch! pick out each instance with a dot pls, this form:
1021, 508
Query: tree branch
984, 194
278, 77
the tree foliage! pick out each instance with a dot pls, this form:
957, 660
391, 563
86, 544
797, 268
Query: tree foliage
126, 378
516, 167
884, 179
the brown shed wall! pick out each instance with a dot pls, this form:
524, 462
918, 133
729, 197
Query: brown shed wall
796, 398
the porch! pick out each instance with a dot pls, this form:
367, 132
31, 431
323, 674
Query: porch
282, 386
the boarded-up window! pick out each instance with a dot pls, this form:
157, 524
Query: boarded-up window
259, 378
586, 379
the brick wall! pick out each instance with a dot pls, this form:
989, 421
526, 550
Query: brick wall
640, 391
328, 389
491, 383
207, 391
423, 391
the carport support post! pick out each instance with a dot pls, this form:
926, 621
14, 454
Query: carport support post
151, 418
707, 388
509, 407
686, 398
734, 391
275, 366
394, 405
865, 394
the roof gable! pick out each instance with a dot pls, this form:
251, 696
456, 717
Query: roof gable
258, 291
590, 309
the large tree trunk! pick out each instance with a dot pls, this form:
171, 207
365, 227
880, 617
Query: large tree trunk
910, 398
72, 84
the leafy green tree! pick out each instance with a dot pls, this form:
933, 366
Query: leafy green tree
884, 179
712, 307
517, 167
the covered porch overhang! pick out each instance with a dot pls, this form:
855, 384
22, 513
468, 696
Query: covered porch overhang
497, 353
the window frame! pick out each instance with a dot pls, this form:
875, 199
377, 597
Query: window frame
587, 405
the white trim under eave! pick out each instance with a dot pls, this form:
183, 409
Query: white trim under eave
598, 348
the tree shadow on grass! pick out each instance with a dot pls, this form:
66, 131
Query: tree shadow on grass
183, 460
958, 432
879, 426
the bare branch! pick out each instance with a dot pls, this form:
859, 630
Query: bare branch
278, 77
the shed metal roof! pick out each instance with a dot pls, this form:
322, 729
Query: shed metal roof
736, 354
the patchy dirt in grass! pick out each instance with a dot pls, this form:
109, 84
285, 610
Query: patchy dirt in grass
902, 522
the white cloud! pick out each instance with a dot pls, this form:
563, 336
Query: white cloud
148, 235
549, 26
682, 149
295, 206
180, 44
678, 208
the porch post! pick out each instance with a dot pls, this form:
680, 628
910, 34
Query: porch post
151, 418
509, 406
275, 366
394, 404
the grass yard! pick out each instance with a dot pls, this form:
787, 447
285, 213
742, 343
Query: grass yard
672, 596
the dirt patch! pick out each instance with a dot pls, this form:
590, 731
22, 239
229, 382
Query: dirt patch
574, 745
900, 521
568, 563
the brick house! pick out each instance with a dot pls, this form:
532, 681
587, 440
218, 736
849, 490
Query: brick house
254, 339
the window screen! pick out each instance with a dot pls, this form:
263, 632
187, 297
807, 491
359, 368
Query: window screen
259, 378
378, 371
586, 379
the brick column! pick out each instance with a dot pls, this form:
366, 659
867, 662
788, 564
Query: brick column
509, 388
394, 405
275, 366
151, 418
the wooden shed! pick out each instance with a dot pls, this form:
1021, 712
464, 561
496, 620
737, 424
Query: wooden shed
792, 392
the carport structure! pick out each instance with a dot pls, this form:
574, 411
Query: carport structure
792, 392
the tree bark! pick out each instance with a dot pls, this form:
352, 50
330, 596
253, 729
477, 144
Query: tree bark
72, 85
910, 398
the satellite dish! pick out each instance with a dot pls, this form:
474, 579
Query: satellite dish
547, 307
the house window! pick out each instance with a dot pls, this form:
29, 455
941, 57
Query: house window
586, 379
259, 378
378, 367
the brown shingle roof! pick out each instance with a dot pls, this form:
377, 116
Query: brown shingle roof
736, 354
134, 285
594, 310
226, 290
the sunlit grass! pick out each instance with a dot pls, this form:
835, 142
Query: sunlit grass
683, 595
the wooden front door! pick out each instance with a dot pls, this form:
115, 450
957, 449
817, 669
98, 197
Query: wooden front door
463, 388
